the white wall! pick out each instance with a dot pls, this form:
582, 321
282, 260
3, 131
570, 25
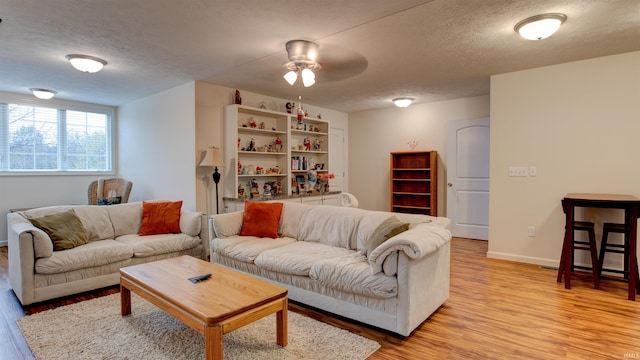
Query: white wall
374, 134
156, 142
210, 102
577, 122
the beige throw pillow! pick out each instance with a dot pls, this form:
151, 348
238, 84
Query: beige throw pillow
387, 229
64, 228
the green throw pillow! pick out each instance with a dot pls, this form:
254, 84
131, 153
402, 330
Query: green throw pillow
386, 230
64, 228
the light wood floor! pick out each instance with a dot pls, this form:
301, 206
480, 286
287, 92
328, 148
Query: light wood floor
496, 310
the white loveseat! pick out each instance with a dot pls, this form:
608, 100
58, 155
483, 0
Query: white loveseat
320, 257
38, 273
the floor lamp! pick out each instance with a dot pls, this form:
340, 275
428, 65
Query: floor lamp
213, 157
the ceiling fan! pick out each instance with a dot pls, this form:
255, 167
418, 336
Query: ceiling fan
305, 60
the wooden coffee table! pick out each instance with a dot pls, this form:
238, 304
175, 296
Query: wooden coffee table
225, 302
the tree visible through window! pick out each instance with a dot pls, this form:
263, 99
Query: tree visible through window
47, 139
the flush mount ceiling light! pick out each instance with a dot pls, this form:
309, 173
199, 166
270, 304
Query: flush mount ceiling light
403, 102
86, 63
43, 93
540, 27
302, 56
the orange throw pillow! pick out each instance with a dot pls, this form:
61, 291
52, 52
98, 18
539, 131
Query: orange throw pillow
160, 218
261, 219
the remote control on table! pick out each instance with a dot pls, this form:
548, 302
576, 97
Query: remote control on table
199, 278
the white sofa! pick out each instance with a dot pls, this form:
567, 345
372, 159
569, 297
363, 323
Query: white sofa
320, 258
37, 273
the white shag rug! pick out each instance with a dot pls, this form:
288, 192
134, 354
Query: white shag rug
94, 329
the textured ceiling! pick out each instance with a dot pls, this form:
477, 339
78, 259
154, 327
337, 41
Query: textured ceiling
371, 50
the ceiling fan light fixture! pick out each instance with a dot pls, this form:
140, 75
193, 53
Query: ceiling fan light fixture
308, 77
302, 56
541, 26
291, 77
86, 63
403, 102
43, 93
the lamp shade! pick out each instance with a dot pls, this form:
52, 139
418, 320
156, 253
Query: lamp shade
291, 77
213, 157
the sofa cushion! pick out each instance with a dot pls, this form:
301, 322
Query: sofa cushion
160, 217
330, 225
190, 223
246, 248
387, 229
126, 218
298, 257
96, 220
352, 273
225, 225
64, 229
261, 219
149, 245
93, 253
292, 213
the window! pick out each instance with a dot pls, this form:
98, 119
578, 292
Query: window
36, 138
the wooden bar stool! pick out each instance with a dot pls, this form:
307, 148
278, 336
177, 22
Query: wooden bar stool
589, 245
606, 247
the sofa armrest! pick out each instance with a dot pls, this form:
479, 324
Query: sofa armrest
417, 242
204, 234
22, 258
423, 286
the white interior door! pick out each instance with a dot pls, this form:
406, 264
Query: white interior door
468, 178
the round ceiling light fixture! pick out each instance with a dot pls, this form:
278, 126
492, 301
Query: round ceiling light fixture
540, 27
403, 102
43, 93
86, 63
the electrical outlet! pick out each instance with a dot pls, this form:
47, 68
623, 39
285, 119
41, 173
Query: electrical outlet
518, 171
532, 231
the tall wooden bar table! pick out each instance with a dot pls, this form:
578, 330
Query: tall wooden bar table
631, 206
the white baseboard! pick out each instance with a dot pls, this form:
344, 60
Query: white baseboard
4, 242
523, 259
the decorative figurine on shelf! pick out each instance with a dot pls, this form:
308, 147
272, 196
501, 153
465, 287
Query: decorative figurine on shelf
252, 123
289, 106
312, 178
316, 144
241, 193
267, 189
294, 186
237, 99
306, 113
262, 125
307, 144
278, 145
239, 143
239, 167
259, 170
319, 116
244, 171
254, 188
278, 187
300, 113
252, 145
251, 170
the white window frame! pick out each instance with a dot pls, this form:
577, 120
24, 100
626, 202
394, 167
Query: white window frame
30, 100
